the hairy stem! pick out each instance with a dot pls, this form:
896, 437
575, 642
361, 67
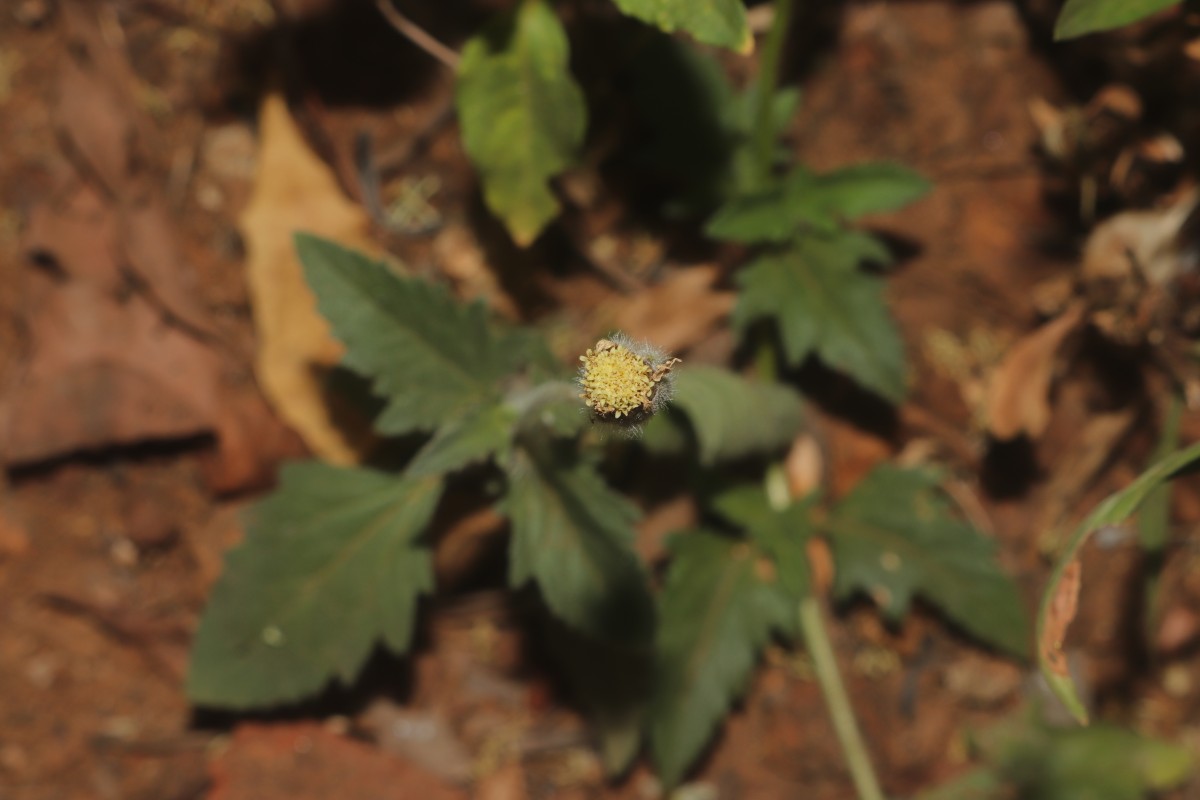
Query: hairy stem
816, 640
763, 141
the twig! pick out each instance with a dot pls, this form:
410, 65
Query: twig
417, 35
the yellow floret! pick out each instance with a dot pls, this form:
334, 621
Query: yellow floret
616, 381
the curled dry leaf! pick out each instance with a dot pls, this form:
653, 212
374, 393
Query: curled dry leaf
295, 191
1138, 241
1018, 392
1059, 615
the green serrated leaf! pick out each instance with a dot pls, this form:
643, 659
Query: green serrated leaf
718, 609
432, 358
893, 537
802, 201
773, 214
329, 567
733, 417
574, 537
1114, 510
1080, 17
522, 114
783, 535
716, 22
851, 192
824, 306
477, 436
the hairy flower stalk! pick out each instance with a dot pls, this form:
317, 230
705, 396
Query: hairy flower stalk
625, 382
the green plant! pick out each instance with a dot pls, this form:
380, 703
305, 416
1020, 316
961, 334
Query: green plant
337, 559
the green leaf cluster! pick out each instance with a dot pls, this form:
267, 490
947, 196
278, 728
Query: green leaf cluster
523, 115
808, 282
730, 589
334, 561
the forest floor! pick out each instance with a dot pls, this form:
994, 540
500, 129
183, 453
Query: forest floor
136, 431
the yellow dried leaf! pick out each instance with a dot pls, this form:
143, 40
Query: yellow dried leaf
294, 191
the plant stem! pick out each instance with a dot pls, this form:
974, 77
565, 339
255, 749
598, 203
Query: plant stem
816, 639
768, 81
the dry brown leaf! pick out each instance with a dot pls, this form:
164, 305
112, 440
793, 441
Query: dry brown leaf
94, 124
79, 239
1018, 393
106, 373
295, 191
676, 313
104, 368
152, 253
1059, 615
1138, 241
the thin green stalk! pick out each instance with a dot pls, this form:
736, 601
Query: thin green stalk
816, 639
1154, 519
763, 135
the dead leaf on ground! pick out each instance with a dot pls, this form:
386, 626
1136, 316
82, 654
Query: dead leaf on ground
78, 238
106, 373
103, 366
1018, 400
1143, 242
460, 256
1059, 615
1078, 466
152, 253
675, 313
420, 735
94, 124
295, 191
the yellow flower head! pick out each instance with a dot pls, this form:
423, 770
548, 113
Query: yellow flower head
623, 381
